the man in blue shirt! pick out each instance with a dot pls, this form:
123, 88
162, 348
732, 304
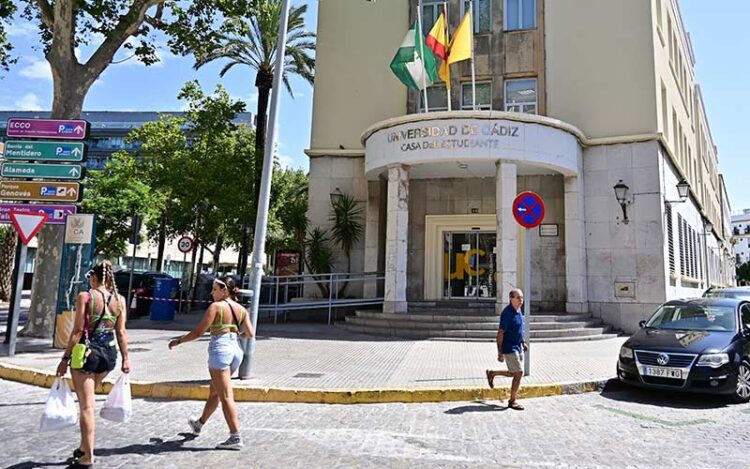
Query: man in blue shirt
510, 346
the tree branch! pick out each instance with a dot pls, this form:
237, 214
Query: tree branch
46, 13
155, 20
126, 27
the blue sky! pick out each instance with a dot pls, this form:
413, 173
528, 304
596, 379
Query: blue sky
719, 38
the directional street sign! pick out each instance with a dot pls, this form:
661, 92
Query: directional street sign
528, 209
56, 213
47, 128
43, 191
44, 151
41, 171
28, 224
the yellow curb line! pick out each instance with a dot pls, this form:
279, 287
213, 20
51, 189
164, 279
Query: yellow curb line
311, 396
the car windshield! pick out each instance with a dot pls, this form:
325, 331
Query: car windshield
694, 317
740, 295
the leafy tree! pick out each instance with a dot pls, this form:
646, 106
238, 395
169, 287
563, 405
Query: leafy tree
114, 194
107, 26
252, 42
319, 257
743, 272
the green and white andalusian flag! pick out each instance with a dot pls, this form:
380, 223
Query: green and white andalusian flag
414, 63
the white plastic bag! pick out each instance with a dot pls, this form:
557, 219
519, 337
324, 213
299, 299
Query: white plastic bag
61, 410
118, 407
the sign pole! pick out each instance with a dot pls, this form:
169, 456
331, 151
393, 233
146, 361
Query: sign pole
16, 307
527, 302
184, 271
13, 293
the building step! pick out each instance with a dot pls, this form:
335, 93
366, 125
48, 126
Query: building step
449, 316
455, 322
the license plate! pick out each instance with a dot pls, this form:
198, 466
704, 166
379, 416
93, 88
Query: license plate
662, 372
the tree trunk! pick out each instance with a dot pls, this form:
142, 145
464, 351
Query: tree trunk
162, 241
217, 252
7, 260
264, 83
69, 93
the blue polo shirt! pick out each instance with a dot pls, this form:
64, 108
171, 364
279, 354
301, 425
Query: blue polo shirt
511, 323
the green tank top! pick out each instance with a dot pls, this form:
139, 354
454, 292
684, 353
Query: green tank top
98, 324
217, 326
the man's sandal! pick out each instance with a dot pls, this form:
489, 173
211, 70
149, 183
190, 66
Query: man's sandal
515, 405
489, 379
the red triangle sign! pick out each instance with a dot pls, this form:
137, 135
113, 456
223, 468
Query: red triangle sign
28, 224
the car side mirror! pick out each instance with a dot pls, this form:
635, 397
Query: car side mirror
642, 324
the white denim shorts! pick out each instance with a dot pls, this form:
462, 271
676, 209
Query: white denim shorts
224, 352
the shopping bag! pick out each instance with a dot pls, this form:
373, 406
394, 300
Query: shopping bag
118, 407
61, 410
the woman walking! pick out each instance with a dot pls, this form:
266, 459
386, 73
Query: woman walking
100, 316
223, 318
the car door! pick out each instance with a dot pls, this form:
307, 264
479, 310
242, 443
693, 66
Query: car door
745, 328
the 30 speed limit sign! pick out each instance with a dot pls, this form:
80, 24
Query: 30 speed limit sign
185, 244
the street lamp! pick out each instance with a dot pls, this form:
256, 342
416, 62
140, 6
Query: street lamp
336, 196
621, 193
683, 190
261, 222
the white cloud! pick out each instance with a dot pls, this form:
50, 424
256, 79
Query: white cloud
37, 69
254, 97
21, 28
29, 102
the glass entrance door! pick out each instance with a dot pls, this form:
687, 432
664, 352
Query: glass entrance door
469, 267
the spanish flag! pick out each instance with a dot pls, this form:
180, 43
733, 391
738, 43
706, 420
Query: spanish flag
437, 39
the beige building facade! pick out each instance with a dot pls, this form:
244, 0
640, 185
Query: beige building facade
572, 98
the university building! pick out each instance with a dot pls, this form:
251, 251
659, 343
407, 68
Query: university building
592, 104
108, 134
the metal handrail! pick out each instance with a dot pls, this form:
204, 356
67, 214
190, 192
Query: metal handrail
333, 301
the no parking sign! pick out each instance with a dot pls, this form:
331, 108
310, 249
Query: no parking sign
528, 209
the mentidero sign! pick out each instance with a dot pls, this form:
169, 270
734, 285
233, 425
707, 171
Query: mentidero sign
451, 136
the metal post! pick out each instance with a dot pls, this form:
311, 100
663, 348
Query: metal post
13, 292
261, 221
330, 297
130, 281
16, 307
276, 302
527, 302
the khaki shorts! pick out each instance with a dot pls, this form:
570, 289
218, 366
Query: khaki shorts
514, 361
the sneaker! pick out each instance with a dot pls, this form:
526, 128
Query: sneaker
195, 425
233, 442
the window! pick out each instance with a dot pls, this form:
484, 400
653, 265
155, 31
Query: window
483, 92
431, 10
683, 247
437, 98
520, 14
520, 96
481, 15
745, 315
670, 239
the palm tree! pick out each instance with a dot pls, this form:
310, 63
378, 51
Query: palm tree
254, 44
347, 229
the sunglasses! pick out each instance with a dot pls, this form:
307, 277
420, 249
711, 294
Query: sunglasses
88, 274
222, 284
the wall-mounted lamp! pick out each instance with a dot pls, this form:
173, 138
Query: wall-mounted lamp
683, 190
621, 193
336, 196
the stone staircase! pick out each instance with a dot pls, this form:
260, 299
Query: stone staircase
471, 320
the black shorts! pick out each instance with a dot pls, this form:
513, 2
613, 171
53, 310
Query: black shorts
101, 359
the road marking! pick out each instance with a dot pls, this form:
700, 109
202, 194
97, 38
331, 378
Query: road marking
668, 423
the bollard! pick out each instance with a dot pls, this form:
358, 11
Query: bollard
248, 348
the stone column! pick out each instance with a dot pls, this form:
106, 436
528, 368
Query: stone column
396, 247
575, 246
372, 238
506, 189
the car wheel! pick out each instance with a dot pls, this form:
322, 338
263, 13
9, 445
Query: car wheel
742, 393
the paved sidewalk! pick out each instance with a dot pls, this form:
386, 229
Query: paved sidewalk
310, 357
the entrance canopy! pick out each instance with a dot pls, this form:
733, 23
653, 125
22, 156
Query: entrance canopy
470, 143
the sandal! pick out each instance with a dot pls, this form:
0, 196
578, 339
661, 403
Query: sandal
78, 465
515, 405
77, 454
489, 379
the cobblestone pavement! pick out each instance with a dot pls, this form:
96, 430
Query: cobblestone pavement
616, 428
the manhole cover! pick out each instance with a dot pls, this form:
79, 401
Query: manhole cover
138, 349
308, 375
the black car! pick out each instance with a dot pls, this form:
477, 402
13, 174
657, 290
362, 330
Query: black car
699, 345
742, 293
143, 289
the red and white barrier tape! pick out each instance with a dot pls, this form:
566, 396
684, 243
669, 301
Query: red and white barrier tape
172, 300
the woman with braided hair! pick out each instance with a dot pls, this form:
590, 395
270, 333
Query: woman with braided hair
100, 316
225, 317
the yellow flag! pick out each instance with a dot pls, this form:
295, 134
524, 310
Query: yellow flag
445, 74
460, 48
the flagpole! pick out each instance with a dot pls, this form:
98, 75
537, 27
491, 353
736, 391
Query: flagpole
421, 55
473, 77
447, 65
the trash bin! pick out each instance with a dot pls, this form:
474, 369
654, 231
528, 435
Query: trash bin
164, 289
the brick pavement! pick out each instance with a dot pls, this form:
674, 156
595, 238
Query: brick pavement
619, 428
